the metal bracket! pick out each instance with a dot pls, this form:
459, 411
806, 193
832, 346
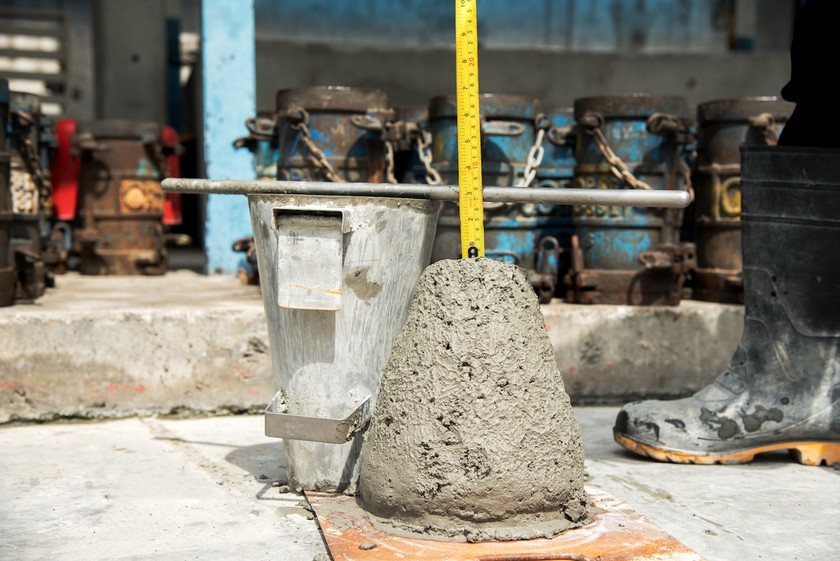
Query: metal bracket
316, 429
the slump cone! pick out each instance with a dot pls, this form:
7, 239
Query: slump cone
473, 434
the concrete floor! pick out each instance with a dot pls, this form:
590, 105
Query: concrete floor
151, 488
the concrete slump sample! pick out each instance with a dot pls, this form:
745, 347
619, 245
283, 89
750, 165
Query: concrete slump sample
473, 435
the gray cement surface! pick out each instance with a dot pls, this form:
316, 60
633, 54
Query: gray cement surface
108, 347
152, 489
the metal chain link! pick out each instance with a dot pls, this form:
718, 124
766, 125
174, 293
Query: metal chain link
617, 166
389, 162
424, 152
535, 158
316, 156
765, 125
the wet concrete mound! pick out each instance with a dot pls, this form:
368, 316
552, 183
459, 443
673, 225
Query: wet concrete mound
473, 435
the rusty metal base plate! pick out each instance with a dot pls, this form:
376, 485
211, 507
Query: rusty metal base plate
718, 285
616, 532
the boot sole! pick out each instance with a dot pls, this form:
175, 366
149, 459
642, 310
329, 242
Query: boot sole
805, 452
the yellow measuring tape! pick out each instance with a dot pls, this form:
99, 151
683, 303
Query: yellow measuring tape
469, 129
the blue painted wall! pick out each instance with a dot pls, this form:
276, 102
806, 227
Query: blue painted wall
229, 98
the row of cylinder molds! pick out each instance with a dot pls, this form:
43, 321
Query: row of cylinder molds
589, 254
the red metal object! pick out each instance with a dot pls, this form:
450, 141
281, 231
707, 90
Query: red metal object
65, 172
616, 532
172, 214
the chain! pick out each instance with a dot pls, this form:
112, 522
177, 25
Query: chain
685, 169
535, 157
765, 124
617, 166
22, 121
316, 156
424, 143
389, 162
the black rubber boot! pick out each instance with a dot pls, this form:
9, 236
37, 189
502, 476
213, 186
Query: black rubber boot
782, 388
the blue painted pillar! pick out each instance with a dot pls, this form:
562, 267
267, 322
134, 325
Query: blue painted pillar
229, 80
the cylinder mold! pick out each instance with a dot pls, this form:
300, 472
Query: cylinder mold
336, 127
514, 233
724, 126
629, 255
121, 203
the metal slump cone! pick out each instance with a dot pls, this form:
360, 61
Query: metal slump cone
473, 435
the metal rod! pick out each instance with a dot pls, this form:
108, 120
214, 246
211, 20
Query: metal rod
614, 197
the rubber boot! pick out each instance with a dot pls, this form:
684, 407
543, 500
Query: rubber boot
782, 388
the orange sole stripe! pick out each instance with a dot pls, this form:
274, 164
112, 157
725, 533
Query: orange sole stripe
805, 452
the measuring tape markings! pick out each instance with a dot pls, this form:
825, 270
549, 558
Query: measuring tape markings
469, 129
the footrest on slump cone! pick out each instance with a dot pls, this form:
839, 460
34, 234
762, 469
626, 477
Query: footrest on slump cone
615, 532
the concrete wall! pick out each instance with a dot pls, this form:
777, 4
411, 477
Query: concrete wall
558, 78
557, 50
638, 26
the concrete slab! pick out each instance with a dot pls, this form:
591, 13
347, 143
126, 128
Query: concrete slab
149, 489
106, 347
100, 347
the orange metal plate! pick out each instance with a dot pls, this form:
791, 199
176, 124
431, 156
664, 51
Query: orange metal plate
616, 533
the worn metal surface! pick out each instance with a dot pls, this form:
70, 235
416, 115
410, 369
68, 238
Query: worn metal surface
629, 255
723, 127
261, 141
7, 273
330, 336
121, 201
616, 532
315, 429
513, 232
335, 127
662, 199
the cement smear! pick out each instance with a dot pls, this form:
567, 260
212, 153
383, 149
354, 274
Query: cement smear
473, 435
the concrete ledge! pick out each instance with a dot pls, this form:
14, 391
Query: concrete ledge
613, 354
103, 347
99, 347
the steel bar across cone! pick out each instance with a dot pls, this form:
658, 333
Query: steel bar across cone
607, 197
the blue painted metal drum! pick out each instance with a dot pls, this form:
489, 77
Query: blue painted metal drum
724, 126
629, 255
332, 133
514, 233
